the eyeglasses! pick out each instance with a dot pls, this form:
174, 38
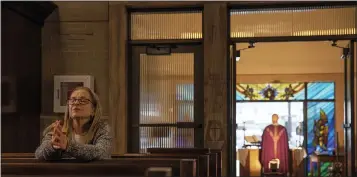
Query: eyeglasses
81, 101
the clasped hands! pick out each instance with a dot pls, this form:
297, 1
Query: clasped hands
59, 139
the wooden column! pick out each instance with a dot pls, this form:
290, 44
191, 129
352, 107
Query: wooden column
21, 73
215, 77
118, 76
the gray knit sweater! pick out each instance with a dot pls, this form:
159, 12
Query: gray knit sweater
97, 149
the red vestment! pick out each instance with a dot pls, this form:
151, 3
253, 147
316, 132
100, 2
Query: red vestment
275, 145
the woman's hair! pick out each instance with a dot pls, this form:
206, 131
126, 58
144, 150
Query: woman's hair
90, 126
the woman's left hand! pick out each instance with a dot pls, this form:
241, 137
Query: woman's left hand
59, 139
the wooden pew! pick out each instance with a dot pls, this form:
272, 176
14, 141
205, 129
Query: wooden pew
110, 167
17, 155
202, 160
215, 156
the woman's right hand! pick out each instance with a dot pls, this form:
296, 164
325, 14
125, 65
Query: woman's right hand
54, 127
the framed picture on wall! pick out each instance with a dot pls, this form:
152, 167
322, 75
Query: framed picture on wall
63, 86
8, 94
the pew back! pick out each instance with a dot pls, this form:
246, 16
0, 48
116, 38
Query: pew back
110, 167
202, 160
215, 156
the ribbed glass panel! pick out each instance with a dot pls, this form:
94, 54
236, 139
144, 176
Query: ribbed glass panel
293, 22
165, 137
166, 25
166, 97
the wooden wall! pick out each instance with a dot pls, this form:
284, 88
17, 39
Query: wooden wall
118, 76
21, 63
215, 76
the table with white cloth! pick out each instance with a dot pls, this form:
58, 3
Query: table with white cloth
249, 163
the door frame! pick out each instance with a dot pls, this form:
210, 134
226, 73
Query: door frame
231, 109
350, 109
352, 123
256, 6
134, 93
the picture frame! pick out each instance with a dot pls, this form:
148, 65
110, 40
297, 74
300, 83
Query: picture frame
8, 94
63, 86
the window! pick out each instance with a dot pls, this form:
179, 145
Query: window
299, 21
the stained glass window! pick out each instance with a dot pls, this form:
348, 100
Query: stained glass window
321, 130
321, 91
278, 91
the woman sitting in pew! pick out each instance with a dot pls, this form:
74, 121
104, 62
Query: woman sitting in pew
82, 135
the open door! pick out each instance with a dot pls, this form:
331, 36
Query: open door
232, 111
350, 107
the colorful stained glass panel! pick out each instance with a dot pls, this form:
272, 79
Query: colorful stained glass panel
321, 130
270, 91
321, 91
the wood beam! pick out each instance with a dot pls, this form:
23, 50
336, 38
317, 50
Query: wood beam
215, 32
164, 4
118, 76
281, 4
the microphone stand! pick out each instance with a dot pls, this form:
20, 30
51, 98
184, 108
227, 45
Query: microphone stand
300, 131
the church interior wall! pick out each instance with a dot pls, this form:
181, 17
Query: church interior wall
75, 41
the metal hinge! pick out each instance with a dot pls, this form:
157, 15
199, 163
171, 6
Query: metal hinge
347, 125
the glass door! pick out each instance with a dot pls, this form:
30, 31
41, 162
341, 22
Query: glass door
166, 96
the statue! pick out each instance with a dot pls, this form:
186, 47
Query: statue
320, 132
275, 148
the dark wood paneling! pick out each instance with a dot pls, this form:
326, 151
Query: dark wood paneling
36, 12
21, 60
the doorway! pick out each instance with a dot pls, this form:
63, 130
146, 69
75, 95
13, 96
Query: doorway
287, 24
165, 97
315, 70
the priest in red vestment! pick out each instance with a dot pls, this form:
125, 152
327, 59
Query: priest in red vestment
275, 145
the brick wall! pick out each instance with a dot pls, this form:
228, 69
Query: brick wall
75, 42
